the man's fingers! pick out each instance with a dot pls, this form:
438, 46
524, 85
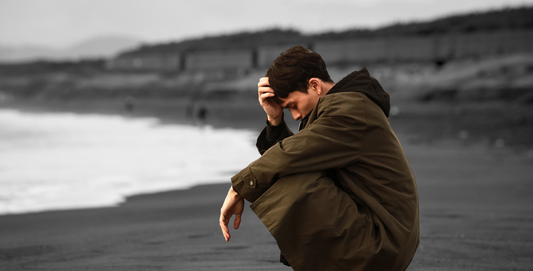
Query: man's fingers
233, 205
224, 226
262, 90
267, 95
264, 93
237, 221
225, 232
263, 82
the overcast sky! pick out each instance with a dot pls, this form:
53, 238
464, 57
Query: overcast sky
61, 23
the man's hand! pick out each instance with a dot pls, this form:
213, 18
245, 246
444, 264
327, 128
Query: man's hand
233, 205
273, 110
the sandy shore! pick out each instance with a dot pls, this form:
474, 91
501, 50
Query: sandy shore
476, 213
175, 230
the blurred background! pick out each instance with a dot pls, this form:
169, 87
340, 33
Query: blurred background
92, 92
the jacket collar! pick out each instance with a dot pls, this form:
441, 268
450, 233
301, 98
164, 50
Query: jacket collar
359, 81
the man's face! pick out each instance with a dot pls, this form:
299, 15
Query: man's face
300, 104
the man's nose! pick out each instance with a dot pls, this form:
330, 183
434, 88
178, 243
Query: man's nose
296, 115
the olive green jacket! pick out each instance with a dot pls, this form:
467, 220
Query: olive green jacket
339, 194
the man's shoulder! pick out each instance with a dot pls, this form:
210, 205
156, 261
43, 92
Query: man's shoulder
348, 103
343, 98
346, 94
342, 103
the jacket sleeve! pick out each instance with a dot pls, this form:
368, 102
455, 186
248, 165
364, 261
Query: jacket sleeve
271, 135
332, 140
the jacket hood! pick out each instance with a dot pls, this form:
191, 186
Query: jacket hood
361, 81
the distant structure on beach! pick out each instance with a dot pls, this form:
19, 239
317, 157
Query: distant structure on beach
436, 48
476, 35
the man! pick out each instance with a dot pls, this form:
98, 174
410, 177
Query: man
339, 194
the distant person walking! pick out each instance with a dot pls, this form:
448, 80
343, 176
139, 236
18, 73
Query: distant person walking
129, 105
202, 115
339, 194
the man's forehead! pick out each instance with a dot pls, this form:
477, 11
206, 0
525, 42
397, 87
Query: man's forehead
293, 97
283, 102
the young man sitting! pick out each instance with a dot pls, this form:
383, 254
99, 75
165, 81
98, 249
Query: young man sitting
339, 194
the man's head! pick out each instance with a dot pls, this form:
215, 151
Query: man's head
299, 77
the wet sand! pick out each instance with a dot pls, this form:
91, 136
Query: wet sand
476, 213
476, 208
175, 230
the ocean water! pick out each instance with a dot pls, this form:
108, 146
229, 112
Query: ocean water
56, 161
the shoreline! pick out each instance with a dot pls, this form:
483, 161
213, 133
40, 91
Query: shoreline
166, 111
495, 124
56, 161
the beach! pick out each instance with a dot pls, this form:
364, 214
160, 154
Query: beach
476, 213
166, 231
476, 208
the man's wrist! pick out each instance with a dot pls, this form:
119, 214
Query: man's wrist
234, 192
274, 122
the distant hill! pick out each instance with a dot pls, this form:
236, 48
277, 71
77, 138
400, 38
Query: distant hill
234, 41
25, 53
99, 47
493, 20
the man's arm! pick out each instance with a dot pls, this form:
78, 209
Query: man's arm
234, 203
333, 140
276, 128
272, 135
273, 110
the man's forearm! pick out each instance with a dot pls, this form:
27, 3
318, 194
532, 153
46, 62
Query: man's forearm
275, 121
272, 134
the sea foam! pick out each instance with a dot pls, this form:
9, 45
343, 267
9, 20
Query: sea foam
55, 161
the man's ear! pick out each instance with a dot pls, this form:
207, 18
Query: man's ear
314, 83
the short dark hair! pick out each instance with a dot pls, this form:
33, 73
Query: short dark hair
292, 70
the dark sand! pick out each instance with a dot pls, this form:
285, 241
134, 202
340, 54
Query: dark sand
476, 213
